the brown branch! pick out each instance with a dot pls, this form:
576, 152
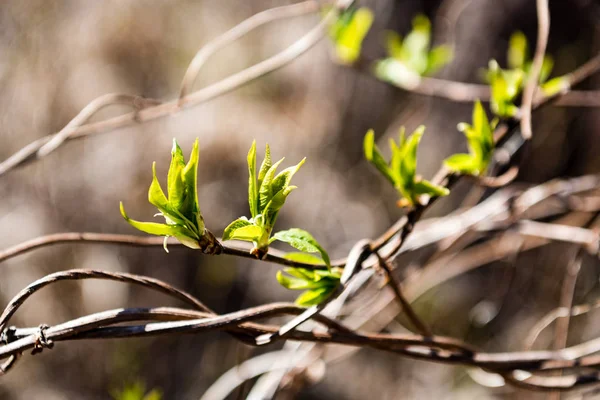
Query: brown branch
414, 318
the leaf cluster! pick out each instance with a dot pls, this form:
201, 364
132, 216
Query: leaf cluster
413, 57
401, 170
183, 219
267, 192
507, 84
480, 140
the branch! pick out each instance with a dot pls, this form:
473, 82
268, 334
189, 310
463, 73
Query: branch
543, 14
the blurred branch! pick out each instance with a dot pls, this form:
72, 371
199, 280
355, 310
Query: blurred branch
543, 17
151, 113
236, 33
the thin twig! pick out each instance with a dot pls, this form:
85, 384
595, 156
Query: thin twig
543, 14
237, 32
414, 318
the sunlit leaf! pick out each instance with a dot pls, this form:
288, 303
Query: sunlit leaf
282, 180
237, 224
425, 187
462, 163
303, 241
175, 184
349, 38
252, 181
183, 234
246, 233
266, 190
556, 86
264, 167
373, 155
314, 296
517, 50
305, 258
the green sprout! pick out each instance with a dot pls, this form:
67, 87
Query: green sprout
267, 193
480, 139
348, 32
401, 170
411, 58
318, 285
180, 209
507, 84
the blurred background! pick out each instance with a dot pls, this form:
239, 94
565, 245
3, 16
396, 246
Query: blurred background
57, 56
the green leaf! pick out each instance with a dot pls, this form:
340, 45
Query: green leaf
235, 225
416, 45
247, 233
265, 191
462, 163
190, 206
272, 209
157, 198
264, 167
430, 189
175, 184
303, 241
252, 183
282, 180
517, 50
314, 296
555, 86
408, 156
373, 155
349, 39
437, 58
305, 258
183, 234
393, 44
295, 283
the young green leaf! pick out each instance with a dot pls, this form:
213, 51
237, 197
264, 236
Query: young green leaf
266, 189
349, 32
252, 181
319, 285
303, 241
235, 225
264, 167
480, 140
314, 296
555, 86
411, 58
248, 233
373, 155
182, 234
175, 184
517, 50
305, 258
462, 163
507, 84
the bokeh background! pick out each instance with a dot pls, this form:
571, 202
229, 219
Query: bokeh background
57, 56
